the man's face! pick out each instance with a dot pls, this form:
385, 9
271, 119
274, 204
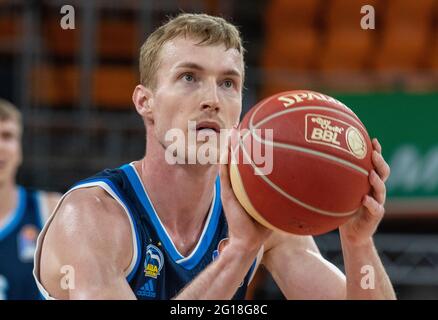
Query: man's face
10, 150
196, 83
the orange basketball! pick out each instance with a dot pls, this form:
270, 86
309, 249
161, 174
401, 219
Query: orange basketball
306, 175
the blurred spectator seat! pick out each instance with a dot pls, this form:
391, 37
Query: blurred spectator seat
402, 49
10, 33
60, 42
115, 39
55, 86
406, 34
346, 50
275, 83
410, 12
113, 87
434, 54
346, 46
291, 37
286, 14
342, 14
290, 50
290, 45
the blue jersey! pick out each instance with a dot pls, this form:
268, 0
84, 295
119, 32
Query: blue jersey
17, 246
158, 270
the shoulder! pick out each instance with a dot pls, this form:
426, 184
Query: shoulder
91, 208
92, 219
90, 232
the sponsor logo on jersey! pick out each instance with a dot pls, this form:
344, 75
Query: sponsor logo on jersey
27, 238
153, 262
147, 290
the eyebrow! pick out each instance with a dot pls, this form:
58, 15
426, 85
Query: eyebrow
195, 66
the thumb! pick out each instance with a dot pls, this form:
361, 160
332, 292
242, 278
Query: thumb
224, 165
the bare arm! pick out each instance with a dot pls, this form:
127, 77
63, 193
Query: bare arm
91, 234
221, 279
366, 275
300, 271
367, 278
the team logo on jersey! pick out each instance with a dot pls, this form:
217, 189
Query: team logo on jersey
27, 238
153, 262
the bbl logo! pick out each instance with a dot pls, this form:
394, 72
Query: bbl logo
335, 133
154, 261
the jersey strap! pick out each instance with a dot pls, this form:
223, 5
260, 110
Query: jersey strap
208, 232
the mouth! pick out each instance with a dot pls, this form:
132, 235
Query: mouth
208, 126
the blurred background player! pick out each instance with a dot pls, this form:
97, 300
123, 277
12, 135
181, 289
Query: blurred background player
22, 212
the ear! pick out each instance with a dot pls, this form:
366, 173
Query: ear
143, 101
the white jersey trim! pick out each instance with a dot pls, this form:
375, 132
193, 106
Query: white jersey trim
110, 191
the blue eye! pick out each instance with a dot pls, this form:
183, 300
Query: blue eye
188, 77
228, 84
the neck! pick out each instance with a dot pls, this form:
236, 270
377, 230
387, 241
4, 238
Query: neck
8, 196
188, 190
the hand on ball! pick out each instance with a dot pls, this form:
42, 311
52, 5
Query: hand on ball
361, 227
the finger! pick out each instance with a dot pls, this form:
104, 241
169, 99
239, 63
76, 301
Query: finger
224, 172
227, 193
224, 177
375, 209
225, 151
231, 151
381, 166
377, 146
378, 186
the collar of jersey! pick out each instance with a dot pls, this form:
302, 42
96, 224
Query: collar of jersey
208, 232
13, 220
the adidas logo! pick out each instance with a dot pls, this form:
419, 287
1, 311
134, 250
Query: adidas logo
147, 290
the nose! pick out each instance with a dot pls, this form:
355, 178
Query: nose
210, 98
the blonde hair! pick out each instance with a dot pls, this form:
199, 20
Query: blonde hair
208, 29
9, 112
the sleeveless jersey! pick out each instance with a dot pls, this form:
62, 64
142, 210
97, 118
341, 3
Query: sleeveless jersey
18, 237
158, 270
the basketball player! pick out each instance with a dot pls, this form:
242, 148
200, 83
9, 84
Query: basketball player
154, 230
22, 213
